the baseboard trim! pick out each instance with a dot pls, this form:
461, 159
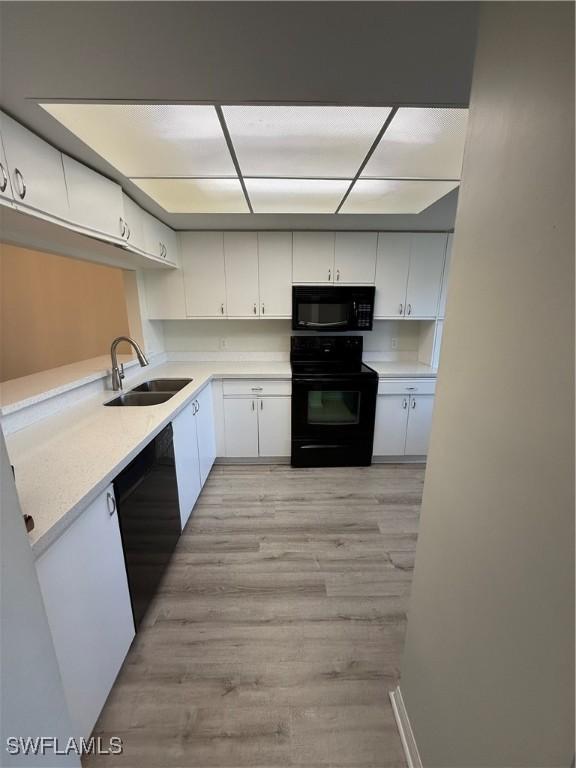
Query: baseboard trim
399, 459
406, 734
253, 460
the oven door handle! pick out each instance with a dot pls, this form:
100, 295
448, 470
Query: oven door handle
322, 325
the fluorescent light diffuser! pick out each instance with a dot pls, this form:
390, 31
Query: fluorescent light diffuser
382, 196
291, 141
151, 139
421, 143
196, 195
296, 195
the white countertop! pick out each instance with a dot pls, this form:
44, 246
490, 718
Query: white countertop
65, 461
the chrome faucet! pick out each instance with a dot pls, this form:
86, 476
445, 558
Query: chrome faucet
118, 370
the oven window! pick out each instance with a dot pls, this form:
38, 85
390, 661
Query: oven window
317, 314
333, 407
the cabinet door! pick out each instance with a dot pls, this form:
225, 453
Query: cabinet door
427, 254
95, 201
83, 581
206, 433
187, 462
274, 426
392, 266
445, 278
313, 257
134, 218
202, 255
241, 426
355, 257
36, 170
390, 425
165, 294
241, 260
275, 273
5, 184
160, 240
419, 424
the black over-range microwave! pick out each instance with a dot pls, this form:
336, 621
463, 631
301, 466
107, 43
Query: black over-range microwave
332, 308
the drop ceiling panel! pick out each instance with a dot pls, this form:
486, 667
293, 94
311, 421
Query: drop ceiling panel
421, 143
196, 195
151, 139
396, 197
296, 195
292, 141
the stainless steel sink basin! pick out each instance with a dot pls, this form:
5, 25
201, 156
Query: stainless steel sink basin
141, 398
162, 385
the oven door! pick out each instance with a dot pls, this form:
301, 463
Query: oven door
322, 309
333, 421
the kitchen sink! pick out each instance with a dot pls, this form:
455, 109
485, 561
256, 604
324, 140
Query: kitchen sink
141, 398
162, 385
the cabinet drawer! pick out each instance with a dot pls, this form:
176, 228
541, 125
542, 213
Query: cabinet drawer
256, 387
406, 386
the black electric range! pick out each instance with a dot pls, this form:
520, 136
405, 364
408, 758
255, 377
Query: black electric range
333, 402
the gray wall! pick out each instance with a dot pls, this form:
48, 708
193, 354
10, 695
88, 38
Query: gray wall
31, 695
488, 669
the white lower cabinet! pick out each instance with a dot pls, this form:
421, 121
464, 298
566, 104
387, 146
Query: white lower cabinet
85, 589
274, 426
194, 449
257, 426
419, 425
403, 418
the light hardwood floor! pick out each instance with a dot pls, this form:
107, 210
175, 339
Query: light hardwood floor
278, 629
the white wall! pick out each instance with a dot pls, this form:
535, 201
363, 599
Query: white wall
31, 695
270, 339
488, 669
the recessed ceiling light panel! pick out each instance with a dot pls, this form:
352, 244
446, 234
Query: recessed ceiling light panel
151, 139
296, 195
292, 141
421, 143
383, 196
196, 195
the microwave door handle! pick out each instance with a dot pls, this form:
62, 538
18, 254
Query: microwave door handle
322, 325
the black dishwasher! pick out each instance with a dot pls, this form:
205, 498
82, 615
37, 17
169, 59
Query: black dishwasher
149, 515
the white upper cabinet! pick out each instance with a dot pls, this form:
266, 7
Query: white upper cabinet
445, 278
36, 170
392, 267
275, 273
131, 224
427, 254
313, 257
355, 257
409, 275
95, 201
202, 255
5, 185
241, 264
160, 241
165, 294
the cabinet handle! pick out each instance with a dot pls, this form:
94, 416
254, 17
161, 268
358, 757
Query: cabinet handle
404, 404
255, 310
409, 309
253, 405
122, 227
20, 184
222, 308
4, 183
413, 403
111, 502
329, 275
129, 231
400, 309
197, 406
256, 389
261, 404
412, 389
337, 274
263, 310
